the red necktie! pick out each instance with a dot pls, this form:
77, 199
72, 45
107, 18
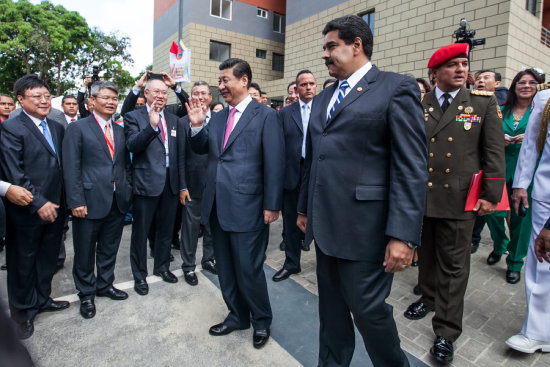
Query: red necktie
229, 126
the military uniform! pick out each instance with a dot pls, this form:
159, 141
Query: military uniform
470, 128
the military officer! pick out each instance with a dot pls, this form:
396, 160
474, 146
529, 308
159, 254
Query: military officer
461, 127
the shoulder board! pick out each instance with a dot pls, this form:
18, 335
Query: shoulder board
481, 93
543, 86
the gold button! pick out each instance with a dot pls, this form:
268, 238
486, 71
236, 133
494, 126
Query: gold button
430, 169
431, 154
432, 140
430, 184
450, 138
447, 170
449, 155
446, 186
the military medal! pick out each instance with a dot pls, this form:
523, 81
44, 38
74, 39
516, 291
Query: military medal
468, 120
469, 109
467, 126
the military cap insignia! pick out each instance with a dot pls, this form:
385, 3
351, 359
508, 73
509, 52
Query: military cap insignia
469, 109
481, 93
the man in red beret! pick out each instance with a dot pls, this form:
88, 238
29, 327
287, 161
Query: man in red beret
461, 127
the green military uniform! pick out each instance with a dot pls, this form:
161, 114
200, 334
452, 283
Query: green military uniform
520, 227
470, 128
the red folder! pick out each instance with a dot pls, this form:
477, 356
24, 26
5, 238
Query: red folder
474, 192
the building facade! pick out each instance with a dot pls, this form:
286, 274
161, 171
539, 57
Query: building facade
279, 38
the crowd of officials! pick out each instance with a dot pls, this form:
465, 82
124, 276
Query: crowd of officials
375, 170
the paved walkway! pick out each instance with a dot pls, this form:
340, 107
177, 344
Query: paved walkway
169, 326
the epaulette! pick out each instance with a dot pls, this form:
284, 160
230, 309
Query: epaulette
543, 86
481, 93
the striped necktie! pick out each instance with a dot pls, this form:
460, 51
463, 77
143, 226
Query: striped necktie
341, 95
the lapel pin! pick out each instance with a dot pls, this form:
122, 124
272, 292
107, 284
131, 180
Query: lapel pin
359, 89
431, 109
469, 109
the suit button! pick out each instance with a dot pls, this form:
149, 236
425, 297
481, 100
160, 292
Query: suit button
430, 169
321, 157
430, 184
324, 134
448, 155
450, 138
432, 140
446, 186
447, 170
431, 155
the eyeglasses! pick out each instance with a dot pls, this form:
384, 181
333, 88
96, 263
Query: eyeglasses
158, 91
38, 97
524, 83
107, 99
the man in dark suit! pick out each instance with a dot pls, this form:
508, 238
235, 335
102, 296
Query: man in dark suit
362, 194
96, 168
158, 172
195, 172
30, 152
295, 119
465, 135
242, 195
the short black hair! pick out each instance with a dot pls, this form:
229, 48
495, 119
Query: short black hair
102, 84
255, 86
350, 27
67, 96
329, 81
305, 71
240, 68
7, 95
30, 81
289, 84
498, 77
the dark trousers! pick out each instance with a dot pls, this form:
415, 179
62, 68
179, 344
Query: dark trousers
478, 228
32, 247
444, 259
293, 236
190, 227
357, 288
163, 209
96, 243
240, 257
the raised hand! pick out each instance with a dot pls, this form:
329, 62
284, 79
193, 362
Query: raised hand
196, 112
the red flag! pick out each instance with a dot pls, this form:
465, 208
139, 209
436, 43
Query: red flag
175, 49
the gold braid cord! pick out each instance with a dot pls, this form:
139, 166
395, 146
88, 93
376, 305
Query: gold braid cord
543, 129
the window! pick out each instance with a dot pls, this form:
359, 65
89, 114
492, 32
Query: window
369, 18
221, 8
531, 6
279, 23
261, 54
278, 63
262, 13
219, 51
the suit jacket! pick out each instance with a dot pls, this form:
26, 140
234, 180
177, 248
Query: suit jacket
246, 177
82, 111
365, 171
455, 150
27, 160
195, 164
89, 171
290, 118
176, 109
149, 155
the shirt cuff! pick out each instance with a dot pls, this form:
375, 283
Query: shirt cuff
195, 130
135, 91
4, 186
82, 90
177, 90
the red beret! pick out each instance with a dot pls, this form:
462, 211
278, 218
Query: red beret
447, 53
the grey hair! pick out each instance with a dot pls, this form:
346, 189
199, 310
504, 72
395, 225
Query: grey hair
201, 82
102, 84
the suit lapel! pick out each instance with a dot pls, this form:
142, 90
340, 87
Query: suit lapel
432, 108
449, 116
119, 140
297, 116
250, 111
360, 88
95, 128
324, 104
29, 124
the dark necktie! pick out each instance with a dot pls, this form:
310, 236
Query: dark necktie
446, 102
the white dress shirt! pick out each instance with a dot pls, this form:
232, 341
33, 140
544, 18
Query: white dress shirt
305, 123
439, 95
352, 81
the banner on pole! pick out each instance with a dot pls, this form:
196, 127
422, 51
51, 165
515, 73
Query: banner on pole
180, 63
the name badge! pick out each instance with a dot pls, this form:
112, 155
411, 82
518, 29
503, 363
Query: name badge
173, 133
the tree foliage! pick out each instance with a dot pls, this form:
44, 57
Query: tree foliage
58, 45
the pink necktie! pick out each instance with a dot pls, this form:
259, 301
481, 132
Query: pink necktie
161, 128
229, 125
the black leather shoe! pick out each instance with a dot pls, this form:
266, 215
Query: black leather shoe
87, 308
283, 274
513, 277
4, 267
414, 264
474, 248
113, 293
416, 290
220, 329
259, 338
25, 329
493, 258
210, 266
305, 246
190, 277
417, 311
167, 276
141, 287
442, 350
56, 306
282, 245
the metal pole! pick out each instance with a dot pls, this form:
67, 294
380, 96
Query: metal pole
180, 22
